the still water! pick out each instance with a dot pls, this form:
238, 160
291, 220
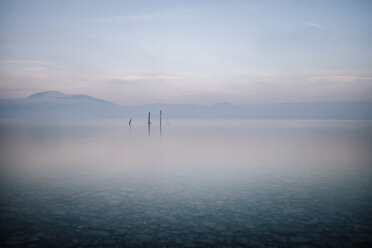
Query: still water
198, 184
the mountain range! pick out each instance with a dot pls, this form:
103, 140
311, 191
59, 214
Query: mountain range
54, 105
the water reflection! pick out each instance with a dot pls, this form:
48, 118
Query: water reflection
160, 123
206, 184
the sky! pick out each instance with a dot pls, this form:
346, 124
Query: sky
201, 52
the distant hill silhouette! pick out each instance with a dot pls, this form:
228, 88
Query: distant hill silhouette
55, 105
54, 95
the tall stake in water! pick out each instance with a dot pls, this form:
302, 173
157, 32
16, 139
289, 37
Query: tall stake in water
148, 123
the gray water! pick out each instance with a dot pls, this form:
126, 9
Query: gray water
198, 184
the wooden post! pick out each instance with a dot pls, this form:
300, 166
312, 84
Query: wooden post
148, 124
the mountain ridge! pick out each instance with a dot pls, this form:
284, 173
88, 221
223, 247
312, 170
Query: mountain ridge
60, 106
57, 95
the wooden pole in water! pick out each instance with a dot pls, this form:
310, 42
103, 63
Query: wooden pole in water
148, 124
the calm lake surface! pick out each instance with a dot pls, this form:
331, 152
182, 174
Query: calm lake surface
198, 184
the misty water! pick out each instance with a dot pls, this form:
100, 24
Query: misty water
208, 183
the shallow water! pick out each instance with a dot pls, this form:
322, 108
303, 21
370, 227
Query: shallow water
198, 184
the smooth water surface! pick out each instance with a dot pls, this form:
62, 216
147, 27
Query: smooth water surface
198, 184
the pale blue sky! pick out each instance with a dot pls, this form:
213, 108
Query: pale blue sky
135, 52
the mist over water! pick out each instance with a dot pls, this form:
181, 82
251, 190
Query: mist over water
209, 183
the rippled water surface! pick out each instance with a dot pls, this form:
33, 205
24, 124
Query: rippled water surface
198, 184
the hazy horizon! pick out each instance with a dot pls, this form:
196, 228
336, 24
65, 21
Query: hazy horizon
166, 103
197, 52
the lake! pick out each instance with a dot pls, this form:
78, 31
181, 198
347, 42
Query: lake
197, 183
